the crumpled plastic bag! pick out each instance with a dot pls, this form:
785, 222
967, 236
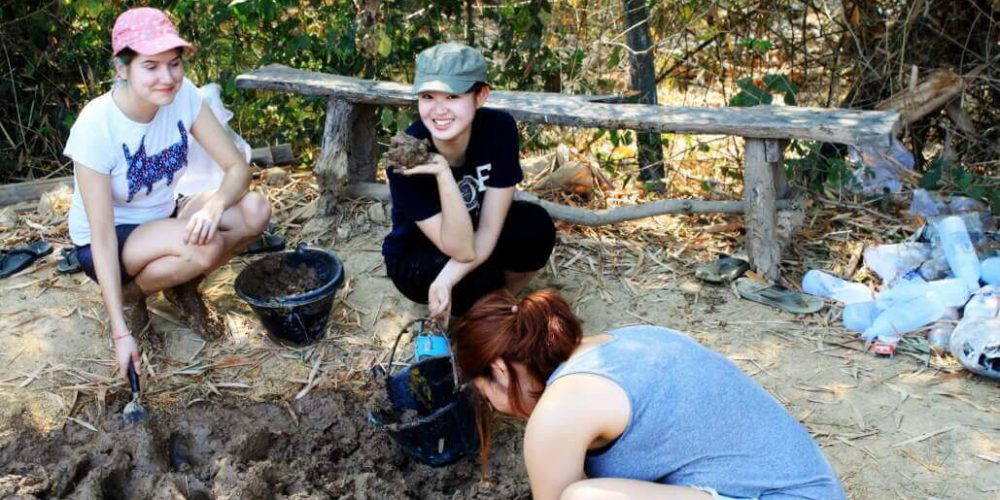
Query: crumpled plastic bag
880, 170
976, 344
203, 173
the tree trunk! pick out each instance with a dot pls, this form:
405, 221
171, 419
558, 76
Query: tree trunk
643, 75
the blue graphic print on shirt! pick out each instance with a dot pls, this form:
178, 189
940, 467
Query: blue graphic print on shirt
145, 170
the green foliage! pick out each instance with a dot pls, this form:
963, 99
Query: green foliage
760, 46
59, 58
816, 169
942, 174
751, 94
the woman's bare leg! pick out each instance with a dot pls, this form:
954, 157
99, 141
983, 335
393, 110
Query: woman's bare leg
628, 489
155, 253
240, 223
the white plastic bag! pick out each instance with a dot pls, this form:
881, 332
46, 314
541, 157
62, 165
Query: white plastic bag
203, 173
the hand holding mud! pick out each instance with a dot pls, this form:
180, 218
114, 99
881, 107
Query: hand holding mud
408, 155
406, 152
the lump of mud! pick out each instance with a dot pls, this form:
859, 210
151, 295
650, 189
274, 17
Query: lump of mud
270, 278
379, 404
406, 151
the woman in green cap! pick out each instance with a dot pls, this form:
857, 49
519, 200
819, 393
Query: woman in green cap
457, 233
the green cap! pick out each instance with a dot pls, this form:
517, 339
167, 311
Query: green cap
449, 67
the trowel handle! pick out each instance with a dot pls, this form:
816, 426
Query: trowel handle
133, 378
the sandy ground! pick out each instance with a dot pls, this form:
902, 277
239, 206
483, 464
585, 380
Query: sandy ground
908, 427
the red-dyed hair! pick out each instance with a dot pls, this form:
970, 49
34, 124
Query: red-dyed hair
539, 332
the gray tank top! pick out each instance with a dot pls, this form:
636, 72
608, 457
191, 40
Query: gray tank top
698, 420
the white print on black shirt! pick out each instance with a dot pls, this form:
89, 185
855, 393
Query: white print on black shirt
470, 186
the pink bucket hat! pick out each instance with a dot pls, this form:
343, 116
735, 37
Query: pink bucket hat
147, 31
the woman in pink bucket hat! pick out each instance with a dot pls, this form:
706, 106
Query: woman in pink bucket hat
129, 147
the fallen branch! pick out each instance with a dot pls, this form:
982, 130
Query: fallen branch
11, 194
587, 217
928, 96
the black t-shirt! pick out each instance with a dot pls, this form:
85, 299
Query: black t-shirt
491, 160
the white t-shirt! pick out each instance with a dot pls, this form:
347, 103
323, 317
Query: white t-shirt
144, 160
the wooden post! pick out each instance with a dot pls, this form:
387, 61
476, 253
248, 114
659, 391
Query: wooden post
349, 150
761, 220
363, 156
774, 153
332, 168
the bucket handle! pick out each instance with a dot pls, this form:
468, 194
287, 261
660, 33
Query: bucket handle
420, 327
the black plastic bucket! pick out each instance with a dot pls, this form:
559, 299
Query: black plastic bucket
300, 318
444, 428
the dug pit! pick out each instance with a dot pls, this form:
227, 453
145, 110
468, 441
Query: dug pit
318, 447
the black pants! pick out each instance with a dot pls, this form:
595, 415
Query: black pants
524, 245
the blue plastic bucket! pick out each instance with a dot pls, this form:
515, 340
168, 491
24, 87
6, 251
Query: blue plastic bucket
300, 318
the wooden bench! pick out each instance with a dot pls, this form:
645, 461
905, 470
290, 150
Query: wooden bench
347, 163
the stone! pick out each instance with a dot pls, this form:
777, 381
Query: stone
8, 218
276, 176
376, 214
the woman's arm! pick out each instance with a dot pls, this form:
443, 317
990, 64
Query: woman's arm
235, 181
451, 229
575, 413
496, 204
95, 189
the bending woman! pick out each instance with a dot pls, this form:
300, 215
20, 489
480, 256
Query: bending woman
129, 147
637, 412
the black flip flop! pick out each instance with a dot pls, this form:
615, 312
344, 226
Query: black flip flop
267, 241
777, 296
70, 263
723, 270
19, 258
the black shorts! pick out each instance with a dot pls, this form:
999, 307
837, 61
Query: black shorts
86, 258
524, 245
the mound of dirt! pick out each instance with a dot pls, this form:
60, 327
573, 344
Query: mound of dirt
270, 278
328, 450
406, 151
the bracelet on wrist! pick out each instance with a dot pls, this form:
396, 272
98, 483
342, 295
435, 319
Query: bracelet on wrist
119, 337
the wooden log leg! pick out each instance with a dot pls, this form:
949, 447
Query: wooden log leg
761, 221
364, 145
332, 167
791, 202
774, 153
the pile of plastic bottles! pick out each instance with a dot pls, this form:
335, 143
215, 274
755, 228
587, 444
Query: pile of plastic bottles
946, 282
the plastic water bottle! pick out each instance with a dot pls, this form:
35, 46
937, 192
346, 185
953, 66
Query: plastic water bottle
949, 293
984, 304
935, 268
926, 204
958, 250
904, 317
858, 316
828, 286
940, 335
891, 261
991, 271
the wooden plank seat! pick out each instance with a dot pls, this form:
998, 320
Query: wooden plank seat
346, 166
